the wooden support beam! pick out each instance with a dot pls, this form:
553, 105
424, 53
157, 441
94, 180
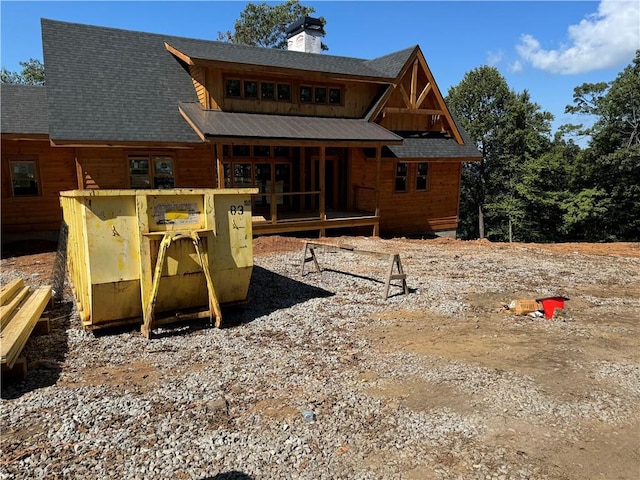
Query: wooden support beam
415, 111
414, 84
423, 94
219, 165
405, 97
376, 228
303, 174
79, 172
323, 191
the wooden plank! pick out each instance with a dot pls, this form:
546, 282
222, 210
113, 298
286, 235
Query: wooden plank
17, 332
8, 291
7, 310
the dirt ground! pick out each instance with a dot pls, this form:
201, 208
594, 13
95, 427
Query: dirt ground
560, 365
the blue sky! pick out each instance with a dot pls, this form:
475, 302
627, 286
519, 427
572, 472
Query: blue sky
547, 48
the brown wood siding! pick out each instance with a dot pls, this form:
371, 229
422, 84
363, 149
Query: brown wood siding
357, 96
103, 167
199, 79
412, 211
195, 168
56, 171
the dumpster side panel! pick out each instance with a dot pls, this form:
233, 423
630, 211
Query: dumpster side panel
112, 239
115, 301
231, 255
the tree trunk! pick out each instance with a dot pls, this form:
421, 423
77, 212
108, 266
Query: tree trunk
481, 220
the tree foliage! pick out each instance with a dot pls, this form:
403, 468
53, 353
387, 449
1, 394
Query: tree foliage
32, 74
542, 189
509, 129
264, 25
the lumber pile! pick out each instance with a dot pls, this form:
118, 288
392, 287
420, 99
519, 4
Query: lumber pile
20, 312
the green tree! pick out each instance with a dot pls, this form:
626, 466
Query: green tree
264, 25
606, 201
509, 130
32, 74
480, 102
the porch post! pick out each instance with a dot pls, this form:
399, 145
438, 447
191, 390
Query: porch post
79, 173
323, 213
303, 168
376, 227
219, 165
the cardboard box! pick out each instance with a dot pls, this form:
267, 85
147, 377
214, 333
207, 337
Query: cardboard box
524, 306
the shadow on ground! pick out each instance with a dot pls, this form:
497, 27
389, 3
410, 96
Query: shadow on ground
269, 292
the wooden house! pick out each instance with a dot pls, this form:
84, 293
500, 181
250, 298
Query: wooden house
330, 142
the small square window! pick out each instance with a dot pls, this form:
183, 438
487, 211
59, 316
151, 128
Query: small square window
241, 151
261, 151
305, 94
284, 92
320, 95
24, 178
267, 91
250, 89
281, 151
233, 88
335, 96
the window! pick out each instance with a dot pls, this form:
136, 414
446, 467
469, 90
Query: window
241, 150
335, 96
250, 89
401, 177
281, 151
151, 171
233, 88
242, 175
422, 176
261, 151
267, 91
284, 92
305, 94
320, 95
24, 178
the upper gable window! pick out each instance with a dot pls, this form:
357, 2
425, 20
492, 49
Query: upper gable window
24, 178
305, 94
335, 96
254, 90
267, 91
250, 89
233, 88
284, 92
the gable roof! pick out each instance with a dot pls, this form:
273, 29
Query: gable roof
113, 85
24, 109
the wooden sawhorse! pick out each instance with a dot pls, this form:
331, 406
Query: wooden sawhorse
393, 258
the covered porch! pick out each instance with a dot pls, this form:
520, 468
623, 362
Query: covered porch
301, 166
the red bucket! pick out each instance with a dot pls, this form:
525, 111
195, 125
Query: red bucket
549, 304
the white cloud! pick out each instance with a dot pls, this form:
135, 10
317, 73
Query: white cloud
515, 67
604, 39
494, 58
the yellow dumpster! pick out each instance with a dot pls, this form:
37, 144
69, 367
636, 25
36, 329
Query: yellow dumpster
154, 256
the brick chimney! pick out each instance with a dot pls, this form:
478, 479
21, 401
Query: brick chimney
305, 35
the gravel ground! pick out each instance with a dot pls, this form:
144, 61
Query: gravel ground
319, 377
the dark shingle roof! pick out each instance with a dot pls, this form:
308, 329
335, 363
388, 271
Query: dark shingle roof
384, 68
433, 146
390, 65
215, 123
112, 85
24, 109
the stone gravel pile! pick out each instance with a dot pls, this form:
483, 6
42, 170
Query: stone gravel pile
284, 390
